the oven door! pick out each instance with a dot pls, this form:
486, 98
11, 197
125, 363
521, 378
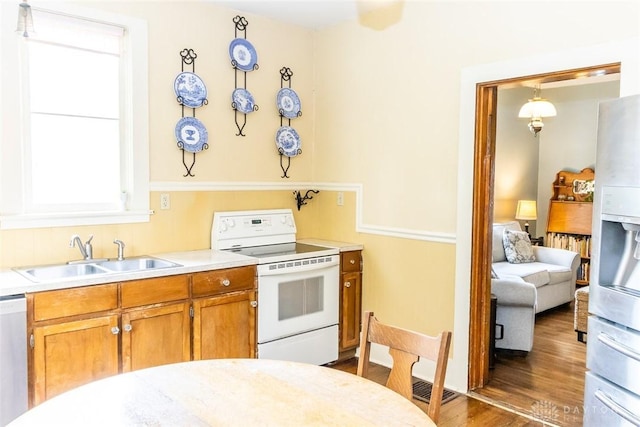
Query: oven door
297, 296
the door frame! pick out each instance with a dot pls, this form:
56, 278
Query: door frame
482, 215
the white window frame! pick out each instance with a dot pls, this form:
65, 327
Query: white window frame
13, 214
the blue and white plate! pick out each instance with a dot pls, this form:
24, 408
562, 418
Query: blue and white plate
288, 103
192, 133
288, 140
242, 54
190, 89
242, 100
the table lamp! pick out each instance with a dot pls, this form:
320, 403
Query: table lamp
526, 211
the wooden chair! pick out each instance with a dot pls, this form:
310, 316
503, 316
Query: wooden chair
406, 347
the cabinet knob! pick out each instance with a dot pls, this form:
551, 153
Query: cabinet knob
352, 261
127, 327
254, 304
226, 282
115, 330
347, 284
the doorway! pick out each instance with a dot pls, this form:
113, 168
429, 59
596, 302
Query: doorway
483, 203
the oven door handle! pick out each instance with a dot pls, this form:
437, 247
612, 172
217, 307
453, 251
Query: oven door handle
273, 270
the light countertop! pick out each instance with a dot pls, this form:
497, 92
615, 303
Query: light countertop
13, 283
342, 246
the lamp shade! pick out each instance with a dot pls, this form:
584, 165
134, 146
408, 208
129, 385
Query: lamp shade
526, 210
536, 108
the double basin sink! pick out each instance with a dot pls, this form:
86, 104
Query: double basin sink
90, 268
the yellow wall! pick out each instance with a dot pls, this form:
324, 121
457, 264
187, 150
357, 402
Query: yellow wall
186, 226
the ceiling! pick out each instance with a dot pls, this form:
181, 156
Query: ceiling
313, 14
318, 14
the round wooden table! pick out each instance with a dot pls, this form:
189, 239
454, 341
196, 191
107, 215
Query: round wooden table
227, 392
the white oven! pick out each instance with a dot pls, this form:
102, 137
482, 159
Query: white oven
297, 284
298, 308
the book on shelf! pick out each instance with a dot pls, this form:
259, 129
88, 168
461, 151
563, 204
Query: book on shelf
572, 242
583, 272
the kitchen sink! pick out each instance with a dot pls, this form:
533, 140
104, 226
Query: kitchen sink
88, 268
56, 272
136, 264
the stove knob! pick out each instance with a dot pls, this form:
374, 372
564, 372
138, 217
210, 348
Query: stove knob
283, 219
223, 227
290, 221
231, 222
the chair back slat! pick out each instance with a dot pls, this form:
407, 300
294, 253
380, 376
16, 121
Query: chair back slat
406, 348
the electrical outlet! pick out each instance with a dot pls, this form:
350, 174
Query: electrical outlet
165, 201
340, 200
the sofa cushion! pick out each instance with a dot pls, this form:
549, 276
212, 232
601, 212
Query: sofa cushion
536, 273
558, 274
497, 247
517, 246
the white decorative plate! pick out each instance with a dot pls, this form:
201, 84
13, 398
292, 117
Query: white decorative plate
190, 90
242, 100
192, 133
242, 54
288, 103
288, 140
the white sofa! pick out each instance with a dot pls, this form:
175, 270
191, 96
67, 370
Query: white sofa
524, 289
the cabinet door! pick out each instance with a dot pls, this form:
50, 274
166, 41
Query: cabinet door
350, 309
225, 326
69, 354
155, 336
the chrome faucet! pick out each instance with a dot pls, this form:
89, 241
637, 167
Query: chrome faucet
85, 248
121, 245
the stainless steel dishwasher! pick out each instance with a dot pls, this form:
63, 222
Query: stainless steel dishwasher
13, 357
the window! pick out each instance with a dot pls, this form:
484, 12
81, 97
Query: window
81, 121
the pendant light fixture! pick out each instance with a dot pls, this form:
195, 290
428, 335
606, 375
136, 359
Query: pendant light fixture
535, 110
25, 19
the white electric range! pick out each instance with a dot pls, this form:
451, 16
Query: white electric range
297, 284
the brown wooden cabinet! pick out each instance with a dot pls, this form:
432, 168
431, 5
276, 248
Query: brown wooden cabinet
82, 334
156, 326
224, 314
570, 216
74, 339
224, 326
350, 299
154, 336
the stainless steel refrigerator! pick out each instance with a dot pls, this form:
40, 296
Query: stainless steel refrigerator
612, 381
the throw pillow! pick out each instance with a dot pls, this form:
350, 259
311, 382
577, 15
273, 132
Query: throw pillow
517, 247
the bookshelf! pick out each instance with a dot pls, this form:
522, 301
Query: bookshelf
570, 216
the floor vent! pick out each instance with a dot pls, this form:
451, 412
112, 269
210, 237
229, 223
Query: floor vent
422, 392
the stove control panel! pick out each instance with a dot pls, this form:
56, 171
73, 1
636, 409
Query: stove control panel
252, 228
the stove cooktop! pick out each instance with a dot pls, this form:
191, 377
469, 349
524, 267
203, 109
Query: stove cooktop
284, 252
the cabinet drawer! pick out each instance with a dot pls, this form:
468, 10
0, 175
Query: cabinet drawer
74, 301
350, 261
153, 291
222, 281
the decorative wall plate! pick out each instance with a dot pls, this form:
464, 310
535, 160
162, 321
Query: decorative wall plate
288, 103
192, 133
288, 140
190, 89
243, 54
242, 100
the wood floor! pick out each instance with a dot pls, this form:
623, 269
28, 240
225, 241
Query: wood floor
549, 382
544, 387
